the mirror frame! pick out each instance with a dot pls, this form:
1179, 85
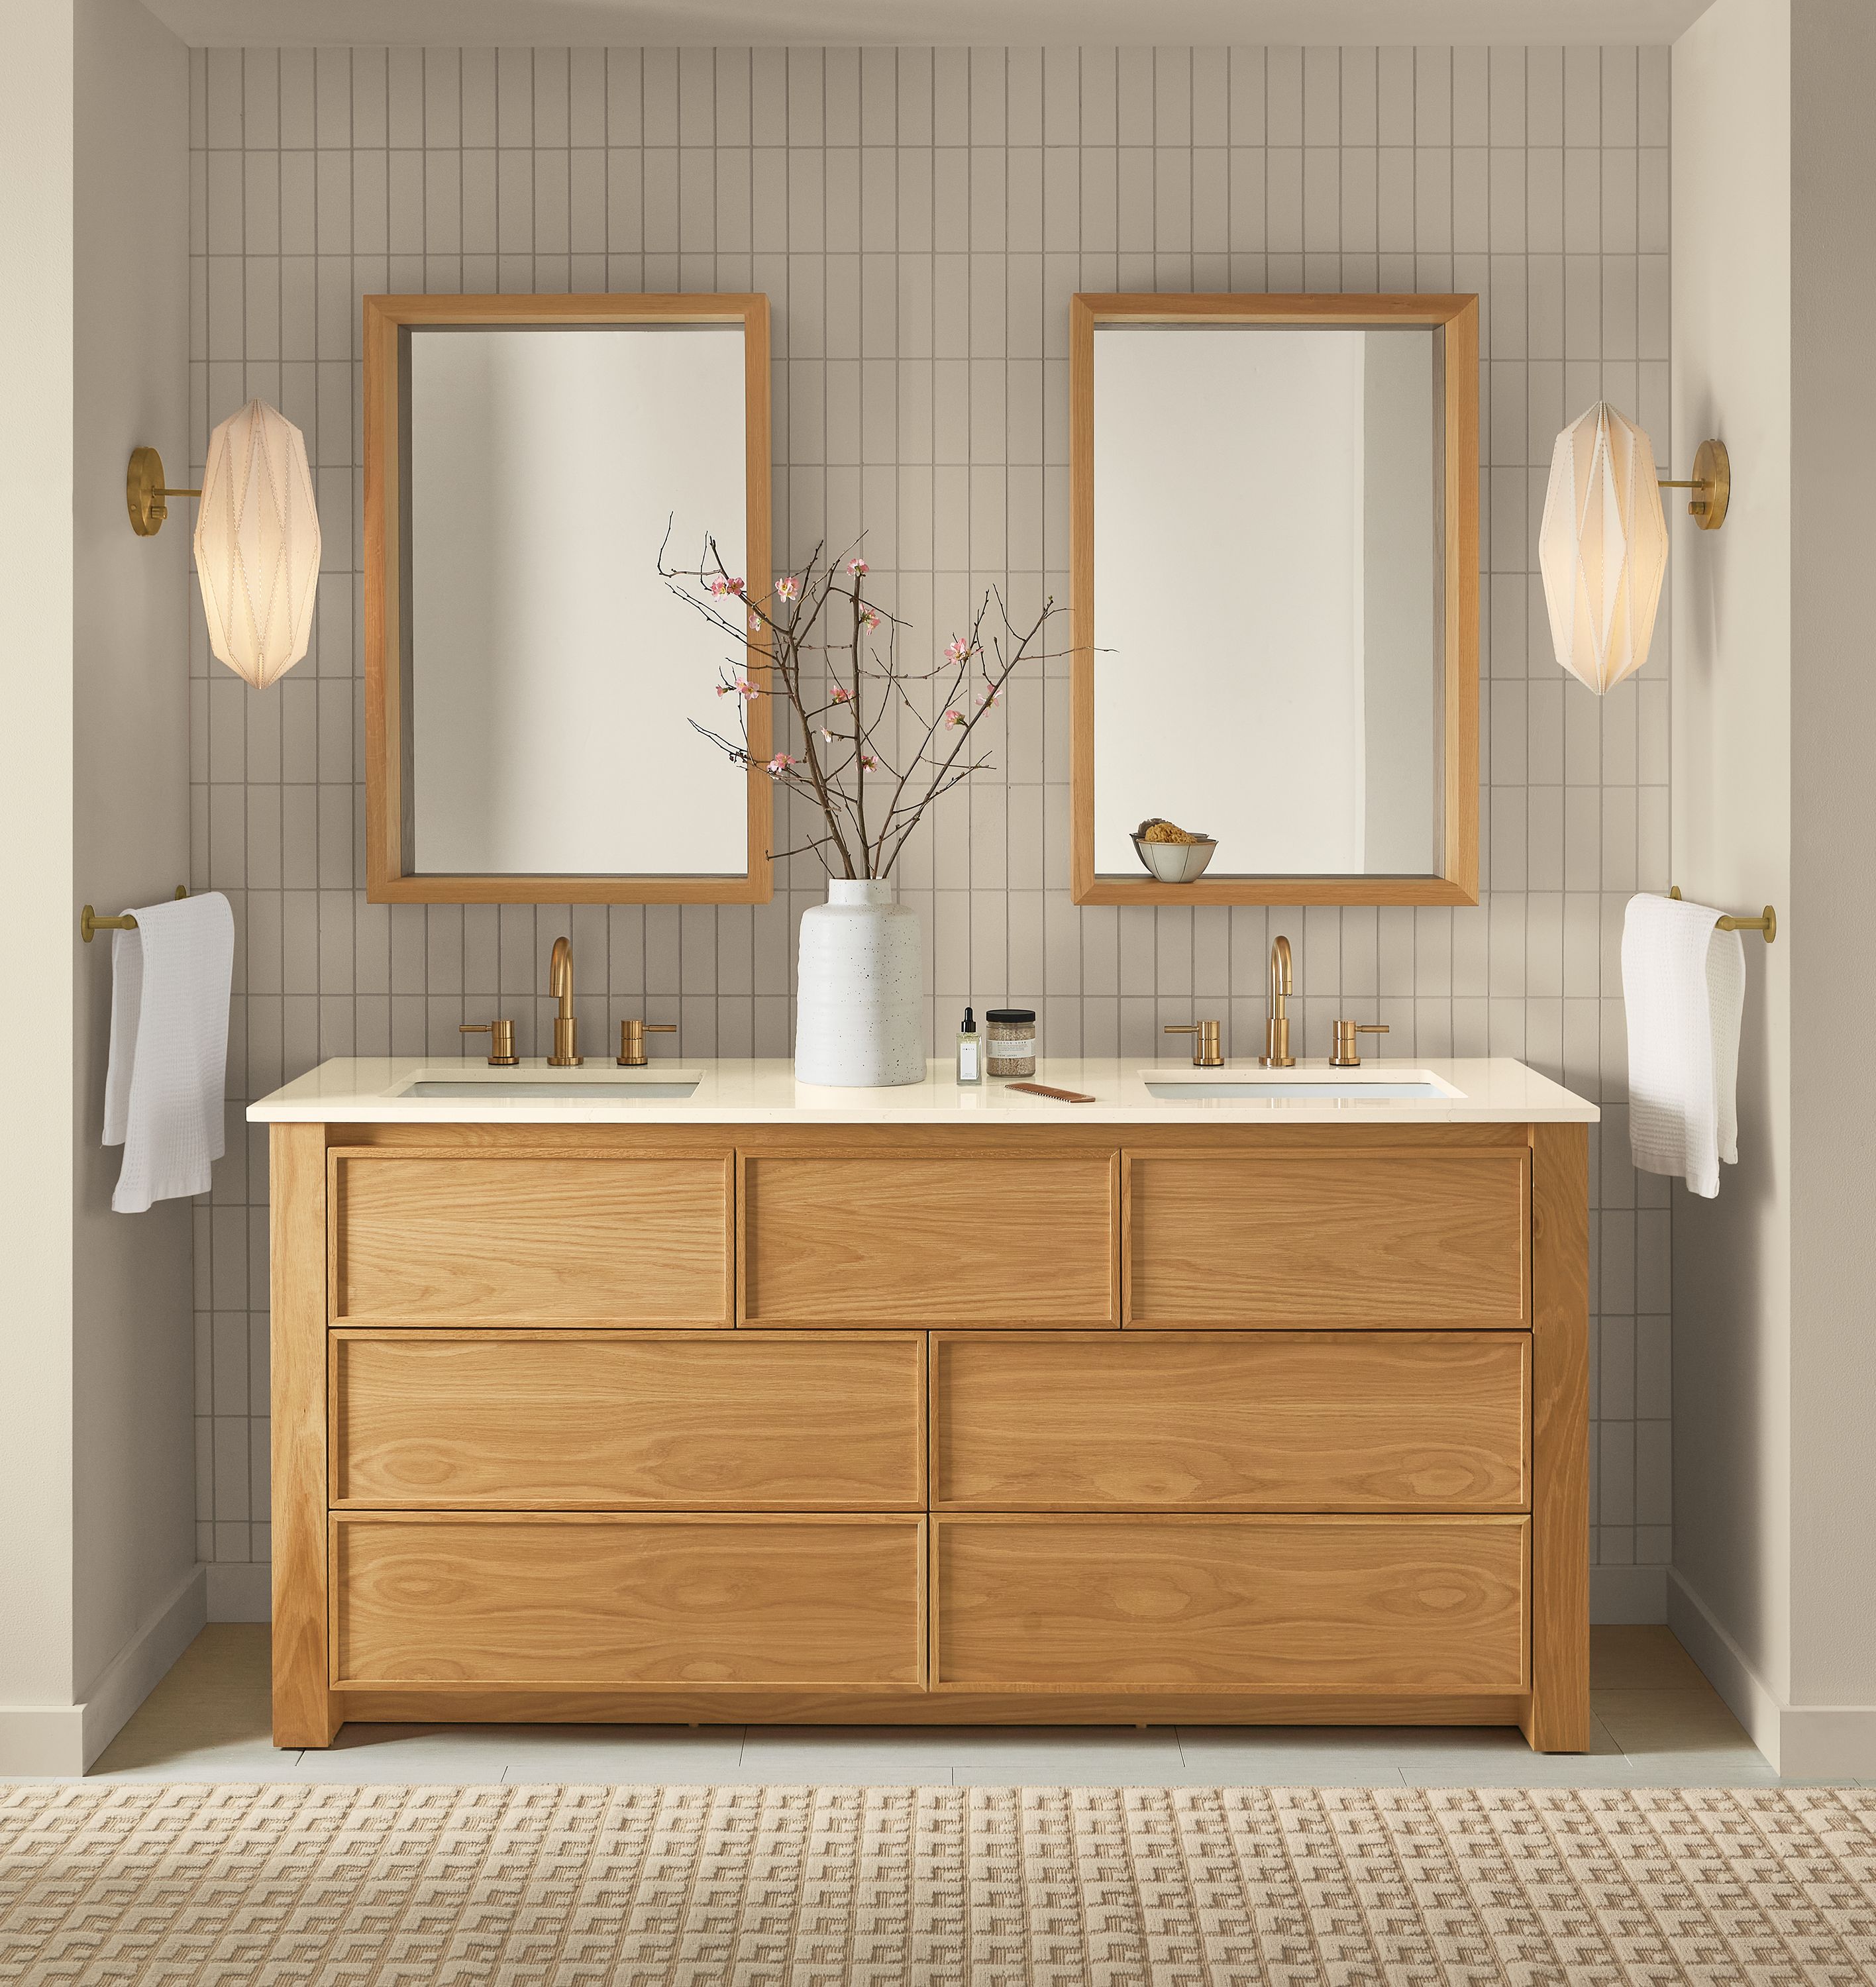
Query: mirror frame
388, 320
1457, 880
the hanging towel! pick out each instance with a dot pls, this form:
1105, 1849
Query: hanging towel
1683, 984
163, 1094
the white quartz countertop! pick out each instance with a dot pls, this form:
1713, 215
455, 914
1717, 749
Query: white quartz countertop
379, 1089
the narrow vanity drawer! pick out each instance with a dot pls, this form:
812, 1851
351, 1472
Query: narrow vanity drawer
596, 1603
507, 1420
1393, 1604
1345, 1236
966, 1239
1263, 1421
420, 1238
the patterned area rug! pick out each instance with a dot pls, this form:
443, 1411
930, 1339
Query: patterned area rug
782, 1887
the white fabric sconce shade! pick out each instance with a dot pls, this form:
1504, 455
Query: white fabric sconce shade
256, 544
1603, 547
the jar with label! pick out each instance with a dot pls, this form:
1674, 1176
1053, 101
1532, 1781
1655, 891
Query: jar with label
1011, 1041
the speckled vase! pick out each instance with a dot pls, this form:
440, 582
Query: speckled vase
859, 1008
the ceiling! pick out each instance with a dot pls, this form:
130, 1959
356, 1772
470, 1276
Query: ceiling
994, 23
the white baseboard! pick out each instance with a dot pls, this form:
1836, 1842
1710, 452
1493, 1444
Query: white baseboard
64, 1738
1627, 1594
1804, 1742
143, 1665
241, 1590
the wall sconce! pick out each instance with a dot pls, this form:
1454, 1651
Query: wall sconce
257, 538
1603, 545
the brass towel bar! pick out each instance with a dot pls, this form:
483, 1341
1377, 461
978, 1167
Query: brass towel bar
90, 924
1767, 922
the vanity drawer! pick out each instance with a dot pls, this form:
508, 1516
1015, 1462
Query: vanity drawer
607, 1603
1266, 1421
1330, 1236
423, 1238
512, 1420
983, 1239
1399, 1605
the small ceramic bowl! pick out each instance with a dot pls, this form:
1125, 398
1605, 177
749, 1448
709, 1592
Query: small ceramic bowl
1175, 861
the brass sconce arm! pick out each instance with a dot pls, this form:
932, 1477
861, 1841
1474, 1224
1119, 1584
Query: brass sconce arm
1713, 477
144, 491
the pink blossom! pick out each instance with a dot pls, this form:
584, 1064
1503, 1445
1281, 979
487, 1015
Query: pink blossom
859, 567
840, 695
954, 719
869, 762
787, 587
990, 695
720, 585
869, 618
781, 762
957, 649
755, 624
827, 734
748, 689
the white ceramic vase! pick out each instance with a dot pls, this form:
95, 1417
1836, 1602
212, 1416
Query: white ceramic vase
859, 1017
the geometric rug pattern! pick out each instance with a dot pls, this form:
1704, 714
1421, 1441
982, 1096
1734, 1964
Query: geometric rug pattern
941, 1887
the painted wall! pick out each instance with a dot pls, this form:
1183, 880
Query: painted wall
919, 220
1832, 855
98, 1587
132, 1345
1732, 789
38, 937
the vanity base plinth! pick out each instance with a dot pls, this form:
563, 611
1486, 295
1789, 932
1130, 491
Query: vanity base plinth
485, 1706
583, 1425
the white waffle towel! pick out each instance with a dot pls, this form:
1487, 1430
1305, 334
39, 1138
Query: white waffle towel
1683, 984
163, 1094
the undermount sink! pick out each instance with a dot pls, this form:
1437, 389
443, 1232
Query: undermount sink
540, 1083
1322, 1085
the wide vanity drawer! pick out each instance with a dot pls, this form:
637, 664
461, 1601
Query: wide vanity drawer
1309, 1421
1432, 1236
502, 1420
1387, 1605
420, 1238
965, 1239
614, 1602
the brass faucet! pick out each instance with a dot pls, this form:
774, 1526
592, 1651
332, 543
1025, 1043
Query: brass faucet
1347, 1053
1205, 1049
566, 1029
1277, 1029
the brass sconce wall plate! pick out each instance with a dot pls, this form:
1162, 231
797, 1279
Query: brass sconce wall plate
1713, 481
144, 492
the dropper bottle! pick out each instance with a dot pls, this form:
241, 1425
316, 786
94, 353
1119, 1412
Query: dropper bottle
969, 1051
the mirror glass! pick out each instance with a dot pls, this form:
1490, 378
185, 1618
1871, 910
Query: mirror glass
1270, 647
548, 675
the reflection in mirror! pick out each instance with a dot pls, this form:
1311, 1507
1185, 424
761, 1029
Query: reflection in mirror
551, 676
1269, 657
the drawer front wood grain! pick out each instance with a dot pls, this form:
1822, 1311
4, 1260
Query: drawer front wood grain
1270, 1421
500, 1420
1353, 1237
426, 1238
1393, 1604
963, 1239
620, 1602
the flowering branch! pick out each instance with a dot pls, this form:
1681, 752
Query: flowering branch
787, 648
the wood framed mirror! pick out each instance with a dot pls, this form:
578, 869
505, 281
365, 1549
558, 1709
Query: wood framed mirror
532, 684
1274, 554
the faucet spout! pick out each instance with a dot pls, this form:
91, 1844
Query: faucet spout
1277, 1028
566, 1027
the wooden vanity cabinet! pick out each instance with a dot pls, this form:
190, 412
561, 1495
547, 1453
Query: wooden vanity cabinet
1065, 1424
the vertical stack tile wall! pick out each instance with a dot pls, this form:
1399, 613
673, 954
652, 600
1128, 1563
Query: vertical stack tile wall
919, 219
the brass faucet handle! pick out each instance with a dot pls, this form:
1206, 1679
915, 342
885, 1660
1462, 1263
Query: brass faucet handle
632, 1041
1347, 1053
501, 1040
1206, 1053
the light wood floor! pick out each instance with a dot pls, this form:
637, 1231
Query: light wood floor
1657, 1723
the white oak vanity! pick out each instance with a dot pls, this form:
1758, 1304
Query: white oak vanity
679, 1394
